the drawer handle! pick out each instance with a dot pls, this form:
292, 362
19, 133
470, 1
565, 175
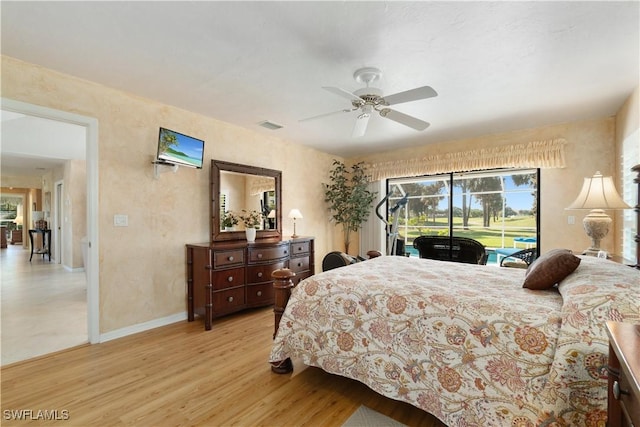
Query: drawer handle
300, 248
617, 391
260, 274
230, 258
230, 299
299, 264
259, 256
259, 293
285, 251
230, 279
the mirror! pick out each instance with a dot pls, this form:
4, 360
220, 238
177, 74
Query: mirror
236, 187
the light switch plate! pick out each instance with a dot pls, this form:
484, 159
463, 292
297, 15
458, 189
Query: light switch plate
571, 219
120, 220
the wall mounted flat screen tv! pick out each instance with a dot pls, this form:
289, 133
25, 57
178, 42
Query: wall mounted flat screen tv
179, 149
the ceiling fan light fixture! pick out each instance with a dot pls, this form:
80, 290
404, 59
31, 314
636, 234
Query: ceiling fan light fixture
367, 75
370, 99
369, 92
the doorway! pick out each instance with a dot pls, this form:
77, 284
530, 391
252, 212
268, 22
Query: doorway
91, 264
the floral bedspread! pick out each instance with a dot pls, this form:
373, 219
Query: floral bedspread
465, 342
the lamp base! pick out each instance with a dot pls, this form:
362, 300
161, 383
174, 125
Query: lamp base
596, 225
591, 252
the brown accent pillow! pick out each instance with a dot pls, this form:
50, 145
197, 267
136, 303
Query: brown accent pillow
550, 268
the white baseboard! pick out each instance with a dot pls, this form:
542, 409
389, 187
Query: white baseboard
141, 327
71, 269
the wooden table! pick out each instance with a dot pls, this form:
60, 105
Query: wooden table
45, 249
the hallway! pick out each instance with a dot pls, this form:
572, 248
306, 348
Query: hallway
44, 306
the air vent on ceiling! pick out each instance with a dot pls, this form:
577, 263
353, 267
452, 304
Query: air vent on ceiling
270, 125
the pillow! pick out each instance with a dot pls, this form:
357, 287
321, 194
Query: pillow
551, 268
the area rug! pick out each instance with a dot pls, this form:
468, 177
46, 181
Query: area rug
366, 417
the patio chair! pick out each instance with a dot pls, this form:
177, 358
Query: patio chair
523, 258
445, 248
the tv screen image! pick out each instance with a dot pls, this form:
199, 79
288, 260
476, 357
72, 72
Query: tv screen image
174, 147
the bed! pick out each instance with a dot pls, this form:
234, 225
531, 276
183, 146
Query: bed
466, 343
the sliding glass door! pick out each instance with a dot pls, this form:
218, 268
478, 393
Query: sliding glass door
499, 208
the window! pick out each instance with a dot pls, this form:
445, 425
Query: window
10, 207
630, 156
499, 208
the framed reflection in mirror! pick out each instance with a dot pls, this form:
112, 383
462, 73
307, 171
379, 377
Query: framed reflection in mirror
238, 189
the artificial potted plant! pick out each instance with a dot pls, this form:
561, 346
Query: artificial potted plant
348, 197
229, 220
251, 220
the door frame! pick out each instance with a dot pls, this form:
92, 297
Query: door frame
92, 268
58, 209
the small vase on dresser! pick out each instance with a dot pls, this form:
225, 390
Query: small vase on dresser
251, 234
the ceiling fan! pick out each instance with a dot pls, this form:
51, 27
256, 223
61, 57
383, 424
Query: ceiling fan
370, 99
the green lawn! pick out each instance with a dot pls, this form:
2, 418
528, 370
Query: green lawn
491, 237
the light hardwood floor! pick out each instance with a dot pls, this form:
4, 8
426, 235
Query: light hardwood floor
181, 374
44, 306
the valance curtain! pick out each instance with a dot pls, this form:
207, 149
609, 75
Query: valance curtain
535, 154
260, 184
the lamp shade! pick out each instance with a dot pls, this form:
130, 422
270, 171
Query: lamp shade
598, 192
272, 214
295, 214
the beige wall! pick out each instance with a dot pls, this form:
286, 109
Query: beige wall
590, 147
74, 201
142, 269
628, 117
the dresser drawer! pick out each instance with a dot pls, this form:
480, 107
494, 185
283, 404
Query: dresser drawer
624, 374
262, 273
268, 254
300, 264
299, 248
228, 300
261, 294
628, 400
228, 258
228, 278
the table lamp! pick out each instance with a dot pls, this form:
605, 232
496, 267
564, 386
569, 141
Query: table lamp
36, 217
598, 193
271, 217
295, 214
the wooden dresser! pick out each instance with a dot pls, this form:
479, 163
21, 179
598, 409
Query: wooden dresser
225, 277
624, 374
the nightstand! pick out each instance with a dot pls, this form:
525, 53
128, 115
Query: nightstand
624, 374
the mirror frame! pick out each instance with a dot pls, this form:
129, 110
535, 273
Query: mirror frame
216, 167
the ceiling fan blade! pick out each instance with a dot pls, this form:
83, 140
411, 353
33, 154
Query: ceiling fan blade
410, 95
343, 93
327, 114
361, 125
404, 119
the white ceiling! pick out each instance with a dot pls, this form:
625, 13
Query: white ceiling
497, 66
32, 145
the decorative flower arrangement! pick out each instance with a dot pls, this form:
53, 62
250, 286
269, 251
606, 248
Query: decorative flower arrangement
251, 219
230, 219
